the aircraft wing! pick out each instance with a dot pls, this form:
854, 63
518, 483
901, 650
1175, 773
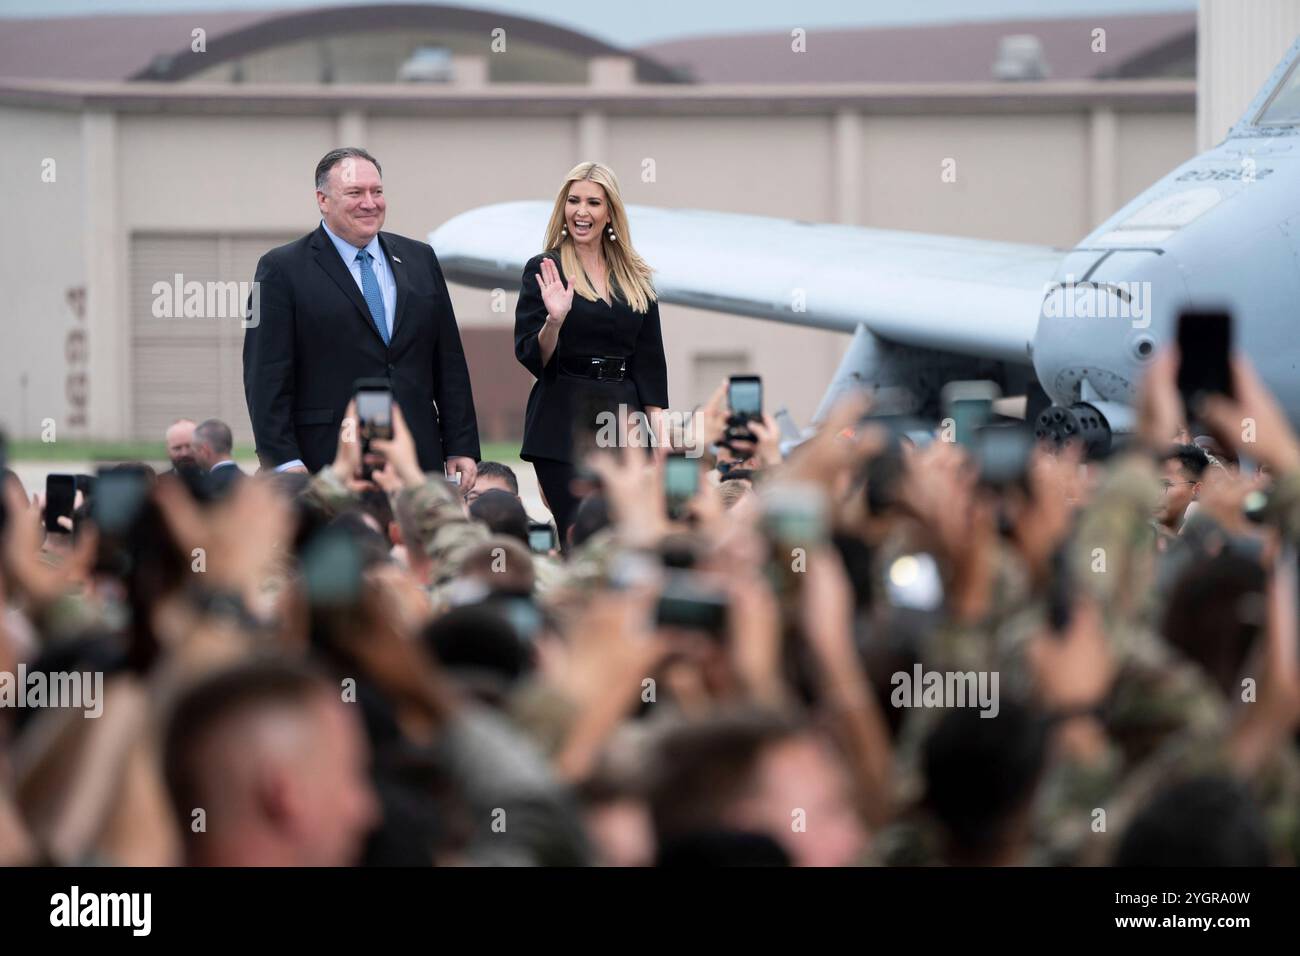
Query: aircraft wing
965, 296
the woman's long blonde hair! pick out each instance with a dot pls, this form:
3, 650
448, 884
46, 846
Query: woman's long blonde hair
626, 272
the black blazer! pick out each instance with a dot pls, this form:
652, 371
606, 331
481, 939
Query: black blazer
315, 337
590, 329
222, 481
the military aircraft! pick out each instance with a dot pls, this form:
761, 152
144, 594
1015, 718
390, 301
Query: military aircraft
1070, 329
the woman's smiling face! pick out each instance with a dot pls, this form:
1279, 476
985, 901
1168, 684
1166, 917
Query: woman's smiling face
586, 212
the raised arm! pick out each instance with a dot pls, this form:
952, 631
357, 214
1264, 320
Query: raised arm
544, 303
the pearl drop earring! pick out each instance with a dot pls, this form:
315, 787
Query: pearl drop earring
564, 231
612, 237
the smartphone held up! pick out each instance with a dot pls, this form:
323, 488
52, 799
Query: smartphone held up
744, 405
374, 397
1204, 359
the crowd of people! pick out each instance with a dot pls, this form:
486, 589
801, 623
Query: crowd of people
333, 669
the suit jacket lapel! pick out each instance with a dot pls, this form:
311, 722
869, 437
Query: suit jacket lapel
329, 259
399, 278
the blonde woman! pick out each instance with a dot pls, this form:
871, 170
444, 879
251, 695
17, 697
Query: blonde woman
587, 327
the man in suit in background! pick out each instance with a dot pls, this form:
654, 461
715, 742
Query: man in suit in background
347, 302
180, 443
213, 445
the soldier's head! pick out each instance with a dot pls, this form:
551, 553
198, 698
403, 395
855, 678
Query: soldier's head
1180, 481
477, 642
411, 513
493, 476
277, 765
502, 565
981, 774
502, 512
1216, 612
591, 517
1203, 821
757, 773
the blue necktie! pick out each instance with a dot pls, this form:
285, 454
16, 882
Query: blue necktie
370, 290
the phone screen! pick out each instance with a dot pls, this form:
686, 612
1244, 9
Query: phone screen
60, 496
681, 477
1204, 346
119, 497
794, 515
745, 396
332, 569
541, 538
688, 602
1003, 454
375, 412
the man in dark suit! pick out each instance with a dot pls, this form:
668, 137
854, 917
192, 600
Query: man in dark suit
347, 302
213, 452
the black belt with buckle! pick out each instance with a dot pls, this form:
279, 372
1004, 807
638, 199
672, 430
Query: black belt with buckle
602, 368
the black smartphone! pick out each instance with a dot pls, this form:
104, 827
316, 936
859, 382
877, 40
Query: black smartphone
86, 485
120, 513
332, 569
681, 481
541, 537
745, 401
374, 409
60, 499
1060, 592
1204, 347
686, 601
794, 523
120, 493
1003, 453
374, 416
745, 397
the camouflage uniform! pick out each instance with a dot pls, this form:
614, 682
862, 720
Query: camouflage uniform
1283, 511
328, 493
432, 517
1157, 696
548, 572
1165, 718
1113, 551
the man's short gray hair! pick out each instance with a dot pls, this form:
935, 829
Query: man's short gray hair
336, 156
216, 435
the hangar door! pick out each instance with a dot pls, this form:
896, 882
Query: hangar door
190, 366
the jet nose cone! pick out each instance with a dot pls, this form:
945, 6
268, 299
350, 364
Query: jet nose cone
1101, 322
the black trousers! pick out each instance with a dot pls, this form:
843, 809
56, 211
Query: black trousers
555, 478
